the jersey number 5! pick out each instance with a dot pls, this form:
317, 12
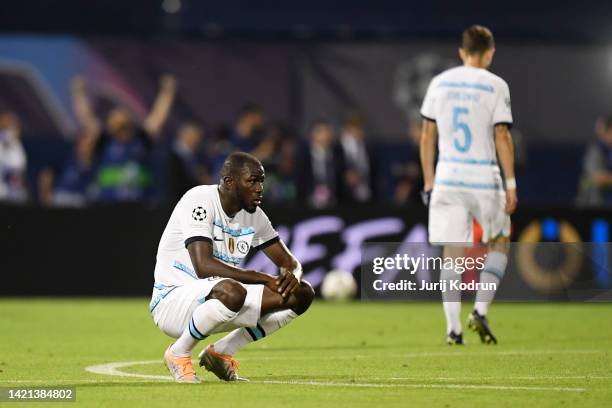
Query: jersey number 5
458, 125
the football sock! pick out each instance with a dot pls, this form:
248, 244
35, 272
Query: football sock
266, 325
206, 317
451, 301
492, 272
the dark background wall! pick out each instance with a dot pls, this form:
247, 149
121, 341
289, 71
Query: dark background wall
361, 19
111, 250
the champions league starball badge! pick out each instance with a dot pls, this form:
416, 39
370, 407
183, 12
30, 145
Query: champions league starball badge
198, 214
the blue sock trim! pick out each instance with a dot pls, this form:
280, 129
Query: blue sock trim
256, 333
195, 333
496, 272
250, 331
263, 332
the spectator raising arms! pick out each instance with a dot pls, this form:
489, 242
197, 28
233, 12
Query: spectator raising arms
122, 148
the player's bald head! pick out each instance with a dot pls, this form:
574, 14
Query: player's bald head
238, 162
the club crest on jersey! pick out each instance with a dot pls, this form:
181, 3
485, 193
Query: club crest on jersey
231, 245
243, 247
198, 214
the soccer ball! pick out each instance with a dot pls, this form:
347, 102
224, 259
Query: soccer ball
338, 286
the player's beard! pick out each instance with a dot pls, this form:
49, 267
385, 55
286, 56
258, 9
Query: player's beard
250, 209
248, 206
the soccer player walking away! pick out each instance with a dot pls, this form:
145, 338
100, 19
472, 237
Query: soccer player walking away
467, 109
199, 288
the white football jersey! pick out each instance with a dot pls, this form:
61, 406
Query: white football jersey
466, 103
199, 216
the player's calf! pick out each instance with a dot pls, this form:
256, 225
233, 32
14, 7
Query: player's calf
274, 314
220, 306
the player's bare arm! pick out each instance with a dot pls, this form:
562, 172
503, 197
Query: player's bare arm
427, 151
206, 266
505, 152
289, 277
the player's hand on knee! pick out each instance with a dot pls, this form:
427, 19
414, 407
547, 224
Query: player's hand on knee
287, 283
270, 283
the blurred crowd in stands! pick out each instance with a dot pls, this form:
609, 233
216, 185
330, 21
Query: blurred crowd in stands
596, 182
117, 159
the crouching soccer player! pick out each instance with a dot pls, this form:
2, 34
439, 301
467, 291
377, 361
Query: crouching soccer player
199, 289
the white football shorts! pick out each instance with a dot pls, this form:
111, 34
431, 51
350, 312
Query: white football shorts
173, 306
451, 215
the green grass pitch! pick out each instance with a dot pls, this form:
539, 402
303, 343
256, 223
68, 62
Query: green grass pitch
355, 354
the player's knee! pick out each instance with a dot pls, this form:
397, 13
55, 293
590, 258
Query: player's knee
304, 296
231, 293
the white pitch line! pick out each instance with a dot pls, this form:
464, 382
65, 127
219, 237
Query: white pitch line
113, 370
499, 353
423, 354
420, 354
452, 386
105, 368
75, 381
530, 378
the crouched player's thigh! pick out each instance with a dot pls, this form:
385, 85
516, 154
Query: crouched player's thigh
173, 312
449, 218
